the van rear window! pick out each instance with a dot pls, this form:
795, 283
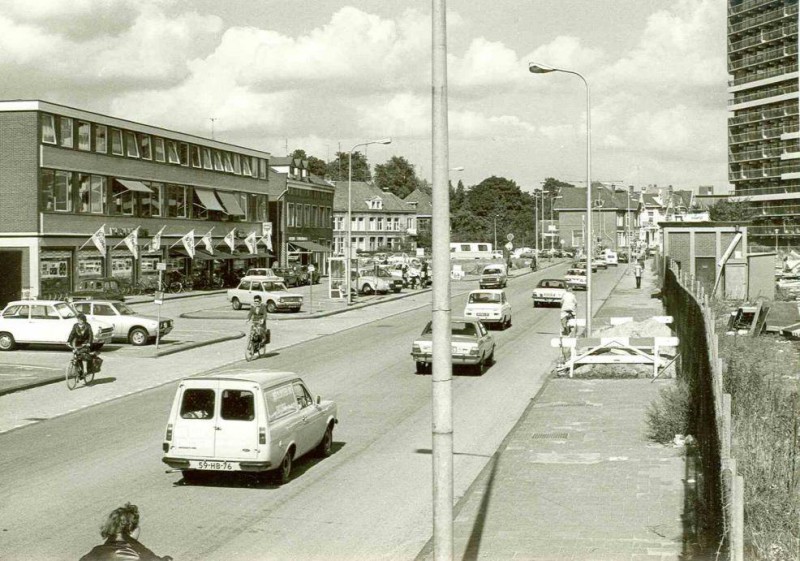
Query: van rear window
237, 405
197, 404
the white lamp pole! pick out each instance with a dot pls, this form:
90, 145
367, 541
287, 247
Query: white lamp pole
542, 69
349, 244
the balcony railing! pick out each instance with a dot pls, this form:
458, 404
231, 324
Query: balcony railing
762, 134
768, 55
761, 19
760, 114
767, 171
748, 77
755, 155
748, 5
764, 93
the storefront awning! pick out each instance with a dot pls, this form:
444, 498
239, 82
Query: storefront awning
199, 254
231, 204
132, 185
310, 246
208, 199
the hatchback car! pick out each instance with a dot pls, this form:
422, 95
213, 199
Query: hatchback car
136, 329
489, 306
47, 322
471, 345
493, 276
273, 294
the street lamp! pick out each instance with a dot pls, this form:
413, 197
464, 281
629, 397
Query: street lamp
543, 69
349, 244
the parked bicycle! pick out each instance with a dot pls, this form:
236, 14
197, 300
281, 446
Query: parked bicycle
76, 373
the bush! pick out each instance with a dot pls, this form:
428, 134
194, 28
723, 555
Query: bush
669, 414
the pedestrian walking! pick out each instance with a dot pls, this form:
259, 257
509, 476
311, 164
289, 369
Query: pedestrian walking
120, 532
637, 272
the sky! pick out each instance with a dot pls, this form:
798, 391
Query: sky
325, 75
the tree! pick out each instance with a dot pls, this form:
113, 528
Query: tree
397, 175
316, 166
337, 169
731, 211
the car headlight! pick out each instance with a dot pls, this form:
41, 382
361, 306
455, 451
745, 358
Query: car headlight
473, 351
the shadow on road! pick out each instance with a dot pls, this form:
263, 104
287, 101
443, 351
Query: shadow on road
101, 381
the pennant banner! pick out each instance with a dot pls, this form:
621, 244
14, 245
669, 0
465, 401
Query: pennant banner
251, 243
98, 239
132, 241
230, 239
207, 243
155, 242
188, 243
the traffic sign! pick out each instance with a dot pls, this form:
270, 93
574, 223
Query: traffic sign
509, 245
158, 298
510, 237
161, 266
311, 268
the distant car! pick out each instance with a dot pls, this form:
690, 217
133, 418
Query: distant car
622, 257
106, 288
471, 345
489, 306
611, 258
581, 264
273, 294
398, 258
290, 275
47, 322
576, 278
600, 261
367, 282
306, 277
493, 276
549, 292
136, 329
260, 272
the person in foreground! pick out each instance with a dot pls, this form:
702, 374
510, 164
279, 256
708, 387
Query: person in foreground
120, 531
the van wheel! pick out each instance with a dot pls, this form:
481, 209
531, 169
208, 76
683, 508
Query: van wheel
138, 336
367, 289
325, 447
6, 341
235, 304
285, 471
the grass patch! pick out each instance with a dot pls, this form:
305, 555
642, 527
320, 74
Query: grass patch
668, 415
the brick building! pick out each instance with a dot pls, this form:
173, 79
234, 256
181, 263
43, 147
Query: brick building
613, 226
65, 173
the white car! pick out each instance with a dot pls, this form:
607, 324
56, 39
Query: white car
493, 276
549, 292
274, 295
136, 329
46, 322
576, 278
490, 306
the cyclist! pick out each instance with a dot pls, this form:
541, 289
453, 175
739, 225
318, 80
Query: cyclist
80, 339
257, 316
569, 309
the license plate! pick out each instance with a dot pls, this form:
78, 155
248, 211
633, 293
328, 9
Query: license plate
480, 315
214, 465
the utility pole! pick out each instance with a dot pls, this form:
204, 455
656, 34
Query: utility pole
212, 119
495, 234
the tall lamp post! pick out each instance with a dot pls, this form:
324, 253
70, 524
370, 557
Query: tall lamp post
349, 243
776, 240
536, 68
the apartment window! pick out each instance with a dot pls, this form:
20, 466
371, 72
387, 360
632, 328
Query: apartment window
380, 223
56, 190
48, 129
218, 161
131, 144
121, 199
172, 152
101, 139
84, 136
246, 170
199, 210
184, 154
237, 164
176, 201
161, 155
308, 216
116, 142
263, 206
243, 203
372, 223
254, 167
65, 132
262, 169
290, 214
226, 159
196, 158
151, 202
145, 147
91, 193
207, 159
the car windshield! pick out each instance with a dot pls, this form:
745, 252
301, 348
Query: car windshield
124, 310
65, 310
456, 328
492, 271
484, 298
551, 284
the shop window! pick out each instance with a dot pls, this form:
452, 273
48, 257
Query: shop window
90, 266
237, 164
160, 153
226, 159
184, 154
101, 139
254, 167
131, 144
65, 132
116, 142
122, 199
172, 152
48, 129
144, 147
121, 267
56, 191
196, 159
218, 161
176, 201
84, 136
246, 170
151, 202
207, 159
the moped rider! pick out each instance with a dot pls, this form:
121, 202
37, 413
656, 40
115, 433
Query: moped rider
257, 317
80, 339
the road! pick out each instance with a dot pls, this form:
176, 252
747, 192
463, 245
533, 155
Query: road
370, 500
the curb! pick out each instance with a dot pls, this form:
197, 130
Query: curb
149, 300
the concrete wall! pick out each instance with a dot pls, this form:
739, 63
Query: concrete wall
761, 276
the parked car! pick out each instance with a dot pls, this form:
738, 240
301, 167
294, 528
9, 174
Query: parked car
549, 292
493, 276
622, 257
489, 306
251, 421
260, 272
106, 288
367, 282
46, 322
398, 258
471, 345
600, 262
581, 264
273, 294
576, 278
306, 277
290, 275
136, 329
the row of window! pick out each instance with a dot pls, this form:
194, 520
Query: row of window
309, 216
84, 193
373, 244
359, 224
92, 137
294, 192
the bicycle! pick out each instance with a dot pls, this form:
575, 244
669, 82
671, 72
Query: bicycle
568, 323
75, 371
256, 343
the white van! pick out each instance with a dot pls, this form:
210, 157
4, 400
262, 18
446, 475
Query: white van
611, 258
252, 421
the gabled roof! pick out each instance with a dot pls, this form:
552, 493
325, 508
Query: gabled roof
424, 204
362, 192
281, 161
574, 198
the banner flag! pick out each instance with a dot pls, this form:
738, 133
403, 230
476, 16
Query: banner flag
98, 239
155, 243
132, 241
250, 242
188, 243
230, 239
207, 243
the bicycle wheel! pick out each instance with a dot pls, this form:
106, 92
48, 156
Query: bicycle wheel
249, 352
175, 287
71, 376
262, 350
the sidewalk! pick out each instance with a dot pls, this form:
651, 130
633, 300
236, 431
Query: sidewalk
576, 479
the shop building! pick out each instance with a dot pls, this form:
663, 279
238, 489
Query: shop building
66, 174
301, 211
615, 219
